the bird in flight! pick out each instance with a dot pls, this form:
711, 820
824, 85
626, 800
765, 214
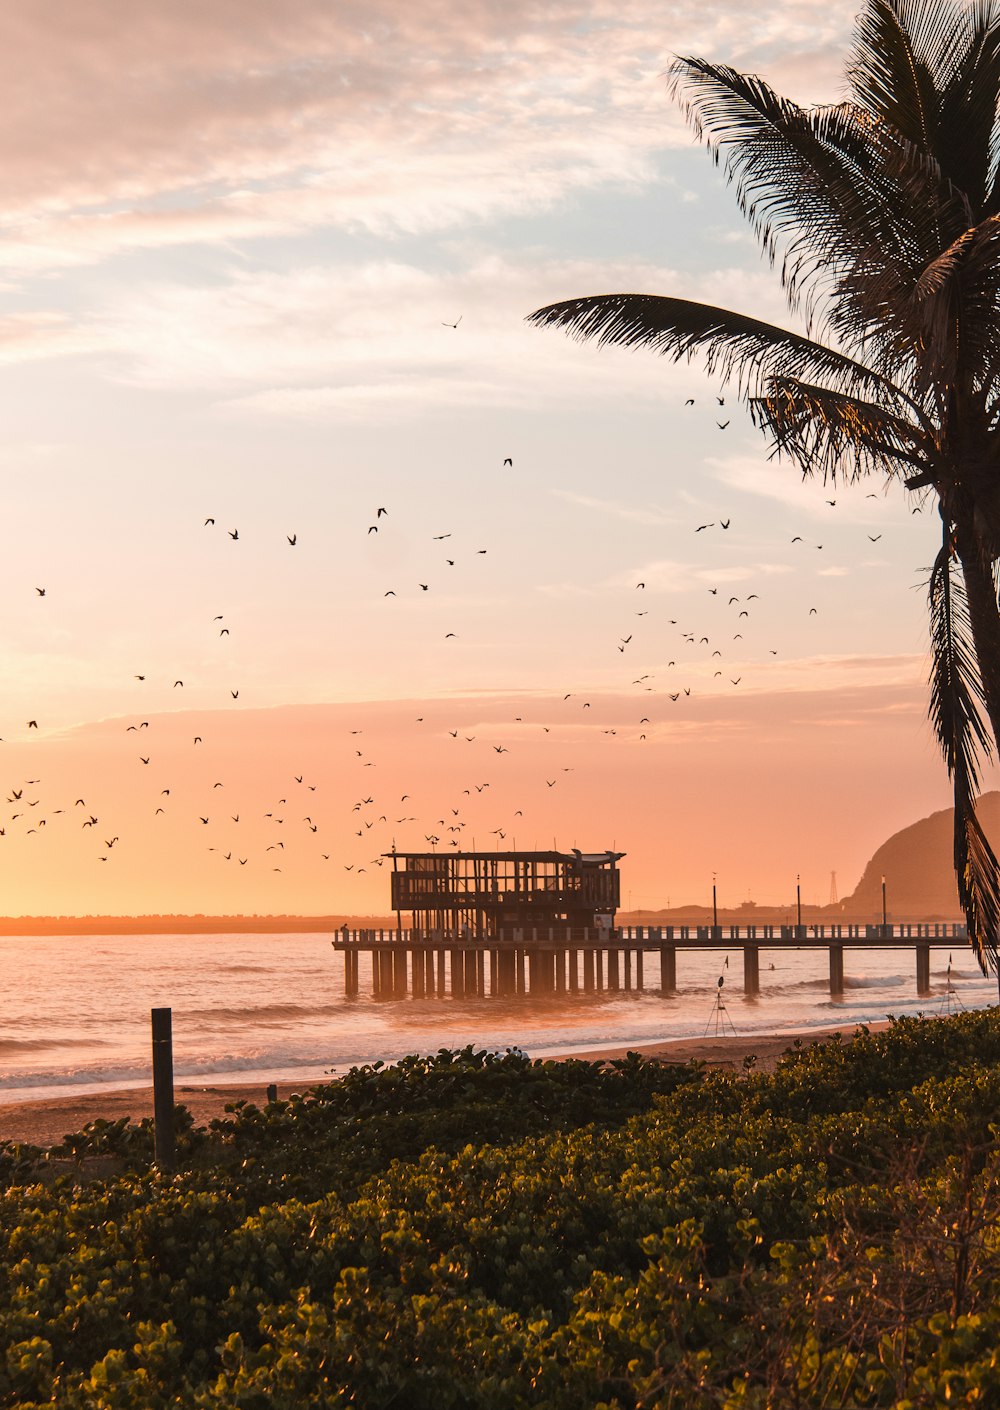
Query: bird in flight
453, 325
722, 425
292, 539
724, 523
509, 462
234, 533
208, 521
874, 538
40, 591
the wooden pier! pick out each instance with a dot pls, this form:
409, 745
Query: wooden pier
553, 960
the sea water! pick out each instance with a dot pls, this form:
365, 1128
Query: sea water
75, 1010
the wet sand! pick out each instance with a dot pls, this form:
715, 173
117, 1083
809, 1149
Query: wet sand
46, 1122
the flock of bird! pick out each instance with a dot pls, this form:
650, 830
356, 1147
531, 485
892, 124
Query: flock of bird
353, 831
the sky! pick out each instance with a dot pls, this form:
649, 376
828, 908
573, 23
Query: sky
315, 547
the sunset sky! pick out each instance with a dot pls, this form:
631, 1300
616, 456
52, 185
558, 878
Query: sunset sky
234, 237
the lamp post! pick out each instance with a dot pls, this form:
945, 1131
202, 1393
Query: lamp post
715, 906
884, 919
798, 902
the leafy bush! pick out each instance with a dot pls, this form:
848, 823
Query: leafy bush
468, 1230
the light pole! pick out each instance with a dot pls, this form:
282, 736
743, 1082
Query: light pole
884, 920
715, 906
798, 902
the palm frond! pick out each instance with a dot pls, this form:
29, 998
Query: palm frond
967, 136
806, 178
831, 434
892, 69
955, 711
733, 345
857, 209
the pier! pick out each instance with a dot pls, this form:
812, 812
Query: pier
550, 960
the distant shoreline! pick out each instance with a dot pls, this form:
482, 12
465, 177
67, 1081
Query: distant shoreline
295, 924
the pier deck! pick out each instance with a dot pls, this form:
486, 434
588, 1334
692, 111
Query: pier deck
565, 959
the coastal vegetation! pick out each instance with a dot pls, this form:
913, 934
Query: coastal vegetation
474, 1229
882, 213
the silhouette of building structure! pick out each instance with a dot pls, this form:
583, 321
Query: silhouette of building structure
492, 895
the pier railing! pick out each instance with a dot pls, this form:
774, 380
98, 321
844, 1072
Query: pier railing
557, 959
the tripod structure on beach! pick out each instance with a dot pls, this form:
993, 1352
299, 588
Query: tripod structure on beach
719, 1021
950, 995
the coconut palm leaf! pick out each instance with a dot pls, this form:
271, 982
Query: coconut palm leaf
831, 434
956, 702
858, 210
733, 345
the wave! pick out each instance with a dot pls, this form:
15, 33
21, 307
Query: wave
140, 1074
11, 1046
248, 1014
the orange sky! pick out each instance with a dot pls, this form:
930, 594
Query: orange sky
757, 789
264, 275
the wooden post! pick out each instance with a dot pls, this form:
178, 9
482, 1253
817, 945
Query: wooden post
519, 970
612, 969
574, 971
836, 970
442, 987
599, 955
164, 1148
668, 969
588, 971
560, 967
628, 968
923, 969
751, 970
419, 973
638, 969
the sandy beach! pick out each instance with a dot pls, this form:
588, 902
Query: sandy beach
45, 1123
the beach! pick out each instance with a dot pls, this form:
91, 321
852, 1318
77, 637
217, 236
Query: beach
45, 1122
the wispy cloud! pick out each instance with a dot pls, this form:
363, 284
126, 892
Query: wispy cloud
134, 127
634, 514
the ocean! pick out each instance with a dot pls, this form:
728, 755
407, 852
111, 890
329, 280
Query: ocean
75, 1010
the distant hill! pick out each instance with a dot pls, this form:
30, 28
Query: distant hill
918, 866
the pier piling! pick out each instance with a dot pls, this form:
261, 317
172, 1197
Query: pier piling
571, 960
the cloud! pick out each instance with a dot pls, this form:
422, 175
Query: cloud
322, 341
634, 514
145, 125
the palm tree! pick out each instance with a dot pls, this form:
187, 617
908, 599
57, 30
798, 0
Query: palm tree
884, 211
